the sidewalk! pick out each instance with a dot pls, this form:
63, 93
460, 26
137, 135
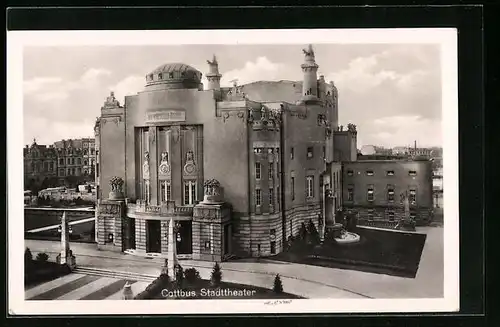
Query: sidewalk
304, 280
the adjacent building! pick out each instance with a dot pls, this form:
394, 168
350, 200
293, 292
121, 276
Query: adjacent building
49, 166
221, 171
373, 190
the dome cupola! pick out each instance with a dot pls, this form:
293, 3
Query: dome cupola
174, 76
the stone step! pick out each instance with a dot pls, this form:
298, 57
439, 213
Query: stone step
114, 274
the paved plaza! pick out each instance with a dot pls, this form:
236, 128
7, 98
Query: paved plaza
303, 280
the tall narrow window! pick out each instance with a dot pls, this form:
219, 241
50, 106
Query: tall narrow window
324, 152
390, 193
271, 170
370, 196
165, 191
271, 197
350, 192
310, 186
292, 153
278, 196
413, 196
257, 170
292, 186
189, 192
258, 197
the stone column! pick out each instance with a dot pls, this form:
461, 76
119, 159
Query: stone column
172, 250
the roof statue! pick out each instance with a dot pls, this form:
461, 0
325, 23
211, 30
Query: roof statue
213, 62
309, 53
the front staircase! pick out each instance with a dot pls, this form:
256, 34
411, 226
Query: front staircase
125, 275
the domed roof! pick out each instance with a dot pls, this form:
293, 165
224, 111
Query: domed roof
175, 75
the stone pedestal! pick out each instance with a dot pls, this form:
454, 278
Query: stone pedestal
116, 195
127, 292
110, 224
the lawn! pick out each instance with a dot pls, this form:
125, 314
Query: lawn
37, 272
379, 251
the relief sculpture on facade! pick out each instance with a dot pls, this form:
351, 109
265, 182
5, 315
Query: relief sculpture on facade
190, 166
164, 167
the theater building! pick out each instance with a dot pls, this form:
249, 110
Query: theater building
219, 171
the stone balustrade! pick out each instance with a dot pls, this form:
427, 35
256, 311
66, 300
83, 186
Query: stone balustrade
166, 209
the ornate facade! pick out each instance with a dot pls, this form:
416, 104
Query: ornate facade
222, 171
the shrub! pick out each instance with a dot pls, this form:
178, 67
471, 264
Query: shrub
42, 257
216, 276
192, 275
278, 285
303, 232
313, 233
179, 275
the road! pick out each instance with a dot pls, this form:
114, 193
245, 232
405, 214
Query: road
304, 280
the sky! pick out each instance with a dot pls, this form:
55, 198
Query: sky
392, 92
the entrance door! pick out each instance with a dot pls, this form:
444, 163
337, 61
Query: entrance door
153, 236
131, 233
183, 238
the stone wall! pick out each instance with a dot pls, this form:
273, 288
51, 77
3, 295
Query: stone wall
302, 214
109, 221
380, 215
140, 234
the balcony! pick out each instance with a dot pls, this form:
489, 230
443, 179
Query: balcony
164, 210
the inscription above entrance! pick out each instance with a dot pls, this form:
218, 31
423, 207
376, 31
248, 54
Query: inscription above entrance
162, 116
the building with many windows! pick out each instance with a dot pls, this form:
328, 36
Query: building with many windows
220, 171
373, 190
50, 166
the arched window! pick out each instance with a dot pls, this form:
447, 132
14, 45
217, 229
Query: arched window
84, 162
85, 152
85, 172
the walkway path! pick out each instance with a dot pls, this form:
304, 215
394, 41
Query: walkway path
304, 280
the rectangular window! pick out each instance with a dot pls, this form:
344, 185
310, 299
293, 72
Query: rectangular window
350, 172
369, 172
324, 152
350, 193
309, 152
412, 173
390, 173
390, 193
271, 197
79, 161
310, 186
61, 161
370, 196
413, 196
292, 186
258, 197
257, 170
272, 232
257, 150
277, 151
390, 215
165, 191
270, 170
292, 153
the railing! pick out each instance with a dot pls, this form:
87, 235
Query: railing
167, 209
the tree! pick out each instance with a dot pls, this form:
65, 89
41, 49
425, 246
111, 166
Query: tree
216, 276
278, 285
28, 258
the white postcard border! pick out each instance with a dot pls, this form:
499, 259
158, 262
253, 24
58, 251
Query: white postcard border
446, 37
